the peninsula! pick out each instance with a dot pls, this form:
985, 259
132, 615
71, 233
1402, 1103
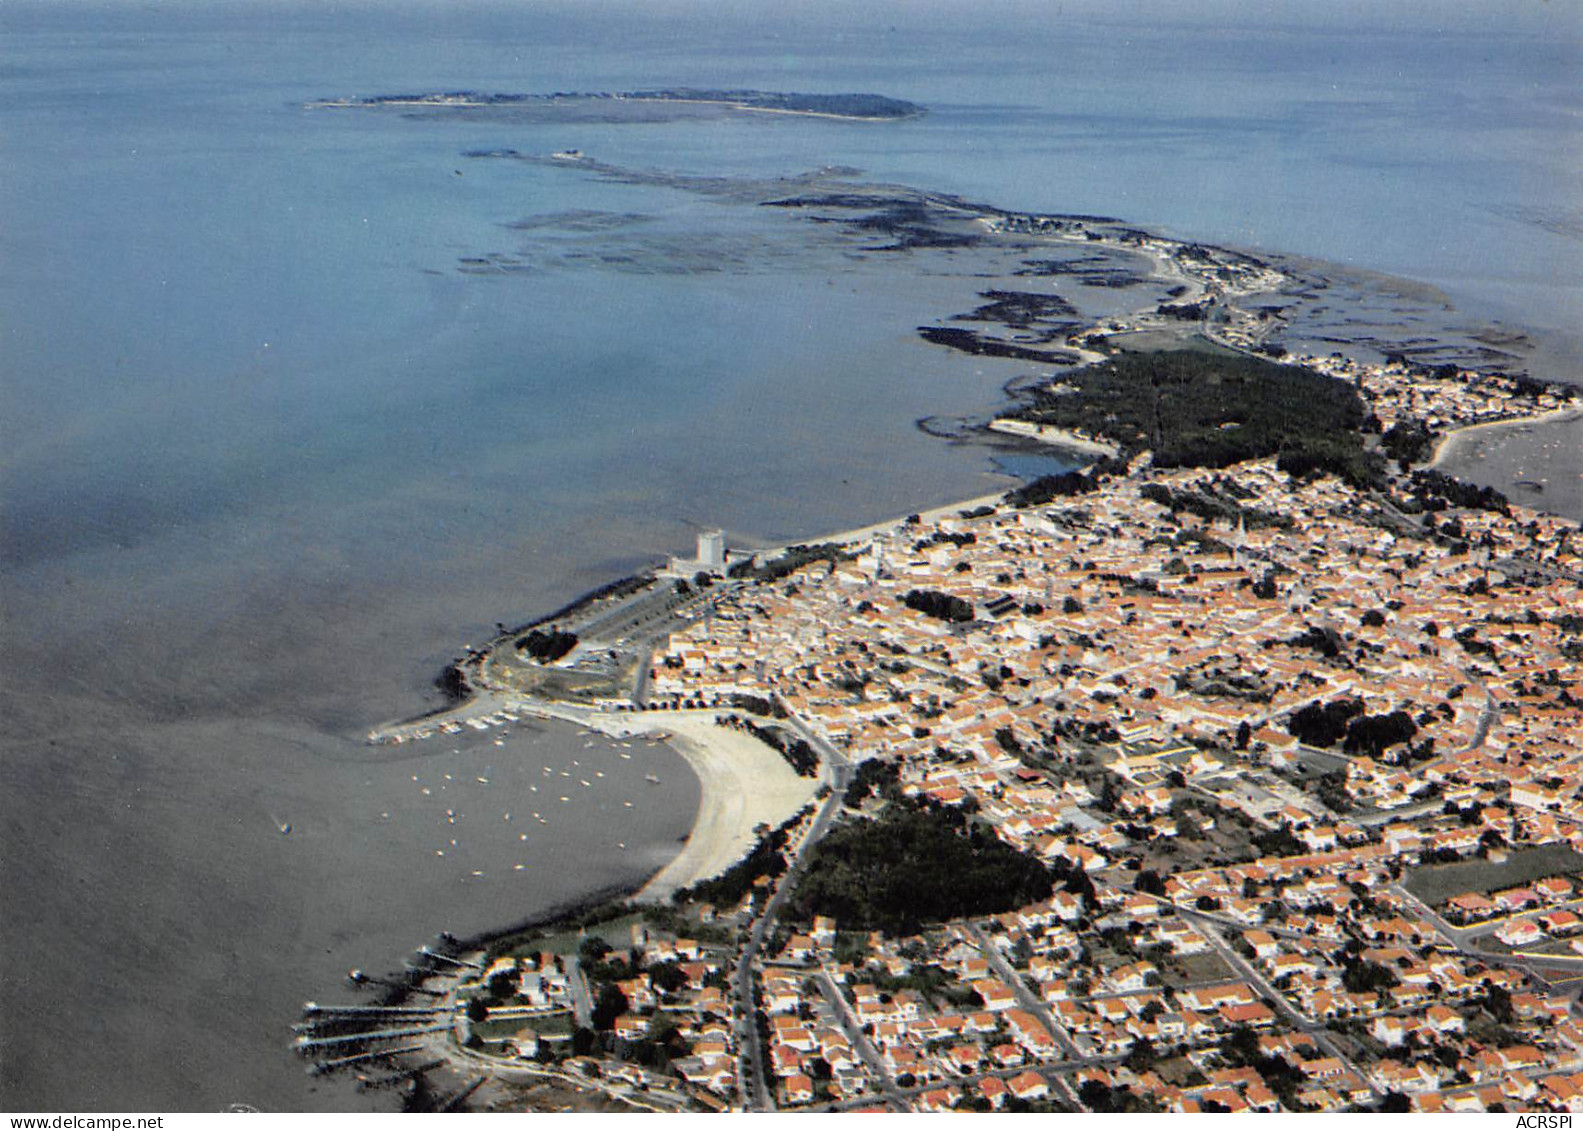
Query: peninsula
1237, 771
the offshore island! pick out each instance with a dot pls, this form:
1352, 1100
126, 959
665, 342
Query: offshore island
1235, 770
638, 105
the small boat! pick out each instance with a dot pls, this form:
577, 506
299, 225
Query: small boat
653, 779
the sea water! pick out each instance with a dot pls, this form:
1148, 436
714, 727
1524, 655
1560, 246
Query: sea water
269, 458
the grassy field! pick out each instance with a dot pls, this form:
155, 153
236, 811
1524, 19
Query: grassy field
550, 1025
1439, 882
1192, 969
617, 932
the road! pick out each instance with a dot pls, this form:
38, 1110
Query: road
1025, 996
854, 1033
1321, 1036
1052, 1070
1030, 1002
742, 978
582, 1002
1462, 940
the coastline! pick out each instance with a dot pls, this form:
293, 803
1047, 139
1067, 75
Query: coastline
1446, 448
1055, 437
744, 784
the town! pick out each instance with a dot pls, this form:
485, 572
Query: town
1296, 761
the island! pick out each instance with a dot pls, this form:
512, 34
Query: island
1234, 770
857, 107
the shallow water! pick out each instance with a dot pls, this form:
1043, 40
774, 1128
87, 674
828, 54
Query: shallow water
1536, 465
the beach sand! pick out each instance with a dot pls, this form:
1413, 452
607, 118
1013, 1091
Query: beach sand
745, 784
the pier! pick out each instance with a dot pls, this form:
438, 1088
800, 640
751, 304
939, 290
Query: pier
436, 955
335, 1064
461, 1097
314, 1009
405, 986
305, 1045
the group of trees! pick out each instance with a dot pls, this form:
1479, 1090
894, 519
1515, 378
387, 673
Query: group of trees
1371, 734
791, 561
916, 864
1326, 641
1209, 505
729, 888
1343, 720
1323, 724
873, 777
799, 755
1047, 487
1407, 442
1437, 490
942, 606
1197, 409
547, 647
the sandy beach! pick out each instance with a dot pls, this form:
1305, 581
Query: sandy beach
745, 784
1536, 461
1049, 434
1448, 446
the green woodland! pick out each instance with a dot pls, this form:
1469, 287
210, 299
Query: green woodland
1195, 409
913, 865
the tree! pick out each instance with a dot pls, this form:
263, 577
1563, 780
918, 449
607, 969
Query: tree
667, 976
584, 1041
1497, 1002
592, 949
1323, 725
1149, 882
1372, 734
1095, 1095
913, 864
1140, 1056
941, 606
612, 1003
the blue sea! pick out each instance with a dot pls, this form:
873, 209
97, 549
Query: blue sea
269, 456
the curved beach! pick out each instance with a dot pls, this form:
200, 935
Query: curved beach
1536, 461
745, 784
1450, 446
